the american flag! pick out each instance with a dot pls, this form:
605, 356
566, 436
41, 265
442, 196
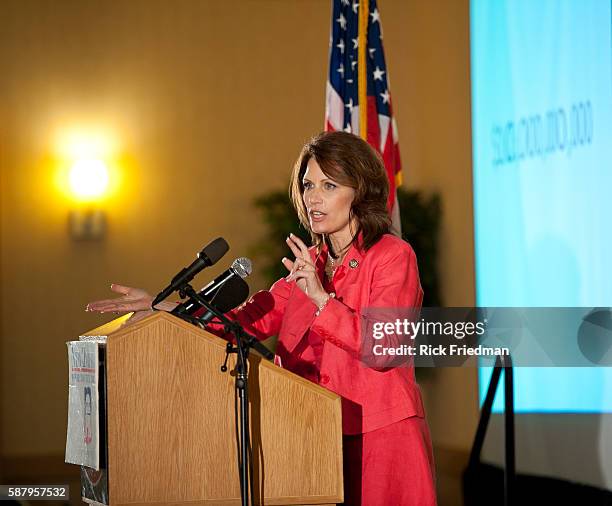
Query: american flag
358, 75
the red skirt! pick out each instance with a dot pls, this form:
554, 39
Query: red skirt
391, 466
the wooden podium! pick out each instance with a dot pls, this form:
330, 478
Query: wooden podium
168, 431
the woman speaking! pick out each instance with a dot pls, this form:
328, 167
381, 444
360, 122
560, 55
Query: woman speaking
339, 189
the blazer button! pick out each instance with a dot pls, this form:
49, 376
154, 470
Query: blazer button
324, 379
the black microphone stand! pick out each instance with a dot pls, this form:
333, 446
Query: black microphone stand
244, 342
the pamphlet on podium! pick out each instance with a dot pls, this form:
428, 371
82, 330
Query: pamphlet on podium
82, 440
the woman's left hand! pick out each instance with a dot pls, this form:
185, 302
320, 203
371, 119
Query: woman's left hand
303, 271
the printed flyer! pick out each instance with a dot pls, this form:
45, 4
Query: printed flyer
82, 441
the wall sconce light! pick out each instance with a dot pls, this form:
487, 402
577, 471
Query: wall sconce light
88, 181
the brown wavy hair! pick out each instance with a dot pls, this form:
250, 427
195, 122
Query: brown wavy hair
350, 161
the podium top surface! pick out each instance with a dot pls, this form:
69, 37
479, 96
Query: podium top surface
106, 329
121, 326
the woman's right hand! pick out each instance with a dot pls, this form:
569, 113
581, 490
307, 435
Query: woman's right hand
132, 299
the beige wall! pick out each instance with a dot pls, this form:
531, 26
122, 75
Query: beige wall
211, 102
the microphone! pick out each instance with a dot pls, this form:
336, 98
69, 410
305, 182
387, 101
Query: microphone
209, 255
230, 295
221, 291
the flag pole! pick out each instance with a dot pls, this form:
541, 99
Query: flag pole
362, 68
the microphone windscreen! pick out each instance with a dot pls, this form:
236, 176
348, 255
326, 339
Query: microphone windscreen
214, 251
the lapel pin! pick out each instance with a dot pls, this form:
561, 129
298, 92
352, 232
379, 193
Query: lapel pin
353, 263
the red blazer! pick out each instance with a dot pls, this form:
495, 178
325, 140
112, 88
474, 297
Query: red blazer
326, 348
